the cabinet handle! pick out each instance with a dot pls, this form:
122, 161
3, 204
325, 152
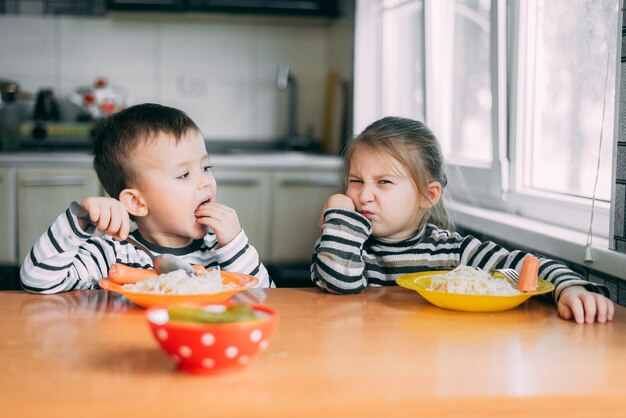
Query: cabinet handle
237, 182
55, 181
310, 183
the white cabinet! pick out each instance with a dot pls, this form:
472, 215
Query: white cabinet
249, 193
8, 232
43, 194
298, 199
279, 210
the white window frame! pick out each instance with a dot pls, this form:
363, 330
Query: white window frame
478, 184
558, 209
495, 185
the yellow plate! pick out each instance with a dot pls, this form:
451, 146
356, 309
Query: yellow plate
243, 282
471, 303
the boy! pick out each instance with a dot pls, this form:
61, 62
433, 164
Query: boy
153, 161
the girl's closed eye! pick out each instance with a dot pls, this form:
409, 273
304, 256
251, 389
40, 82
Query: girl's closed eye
355, 181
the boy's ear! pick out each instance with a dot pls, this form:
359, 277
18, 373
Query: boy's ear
433, 192
133, 202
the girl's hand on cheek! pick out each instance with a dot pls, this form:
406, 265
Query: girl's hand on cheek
108, 215
340, 201
337, 201
222, 219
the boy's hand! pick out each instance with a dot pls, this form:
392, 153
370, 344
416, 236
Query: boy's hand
109, 216
337, 201
222, 219
584, 306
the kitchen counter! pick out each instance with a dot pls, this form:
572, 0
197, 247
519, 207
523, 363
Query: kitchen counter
383, 352
260, 160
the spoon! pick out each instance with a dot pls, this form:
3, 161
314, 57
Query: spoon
163, 264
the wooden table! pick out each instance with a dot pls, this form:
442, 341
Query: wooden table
385, 352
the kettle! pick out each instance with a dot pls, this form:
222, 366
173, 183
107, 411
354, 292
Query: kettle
46, 107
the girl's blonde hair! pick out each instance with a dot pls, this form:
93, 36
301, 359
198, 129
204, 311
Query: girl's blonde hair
415, 146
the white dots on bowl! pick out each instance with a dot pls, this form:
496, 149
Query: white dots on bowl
256, 335
231, 352
207, 339
263, 345
162, 334
244, 360
184, 351
159, 317
208, 363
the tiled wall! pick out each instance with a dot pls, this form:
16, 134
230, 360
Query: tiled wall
619, 201
222, 71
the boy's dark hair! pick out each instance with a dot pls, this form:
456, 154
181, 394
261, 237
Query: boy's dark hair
115, 137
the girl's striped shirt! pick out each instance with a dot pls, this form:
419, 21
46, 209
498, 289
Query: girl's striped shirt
346, 258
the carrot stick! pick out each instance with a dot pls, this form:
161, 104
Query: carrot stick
123, 274
528, 275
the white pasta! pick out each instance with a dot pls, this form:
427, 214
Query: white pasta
179, 283
470, 281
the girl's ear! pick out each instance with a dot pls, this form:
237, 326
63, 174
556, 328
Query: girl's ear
433, 192
133, 202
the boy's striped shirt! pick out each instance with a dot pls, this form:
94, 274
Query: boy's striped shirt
66, 258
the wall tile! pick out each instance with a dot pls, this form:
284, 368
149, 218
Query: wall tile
305, 50
95, 47
217, 53
270, 112
28, 48
222, 72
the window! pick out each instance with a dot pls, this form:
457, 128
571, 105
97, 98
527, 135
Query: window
519, 94
565, 95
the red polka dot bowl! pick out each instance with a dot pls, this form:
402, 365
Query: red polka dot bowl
206, 348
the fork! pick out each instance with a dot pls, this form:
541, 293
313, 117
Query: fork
511, 274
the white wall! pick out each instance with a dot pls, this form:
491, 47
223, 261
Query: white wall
220, 70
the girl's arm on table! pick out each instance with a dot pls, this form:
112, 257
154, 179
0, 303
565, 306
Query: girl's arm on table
575, 297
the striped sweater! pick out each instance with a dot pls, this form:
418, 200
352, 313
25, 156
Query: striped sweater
347, 258
66, 257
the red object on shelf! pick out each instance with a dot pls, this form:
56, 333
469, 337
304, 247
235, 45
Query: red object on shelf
89, 99
101, 82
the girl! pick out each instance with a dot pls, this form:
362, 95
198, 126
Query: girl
392, 221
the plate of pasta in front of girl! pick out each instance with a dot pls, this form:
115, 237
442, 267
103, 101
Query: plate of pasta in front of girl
469, 289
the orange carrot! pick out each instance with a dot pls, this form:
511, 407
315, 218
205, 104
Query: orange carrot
123, 274
528, 276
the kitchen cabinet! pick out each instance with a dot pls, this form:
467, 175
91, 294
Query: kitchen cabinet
43, 194
278, 198
298, 199
8, 232
249, 193
279, 210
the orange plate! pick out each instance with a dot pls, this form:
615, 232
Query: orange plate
147, 300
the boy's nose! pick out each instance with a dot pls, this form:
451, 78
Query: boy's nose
206, 180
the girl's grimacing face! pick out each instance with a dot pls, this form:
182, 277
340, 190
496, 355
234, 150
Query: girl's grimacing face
384, 192
175, 181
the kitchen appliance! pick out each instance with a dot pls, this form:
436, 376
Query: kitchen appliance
10, 115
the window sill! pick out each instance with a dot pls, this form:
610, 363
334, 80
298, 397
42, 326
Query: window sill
544, 238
